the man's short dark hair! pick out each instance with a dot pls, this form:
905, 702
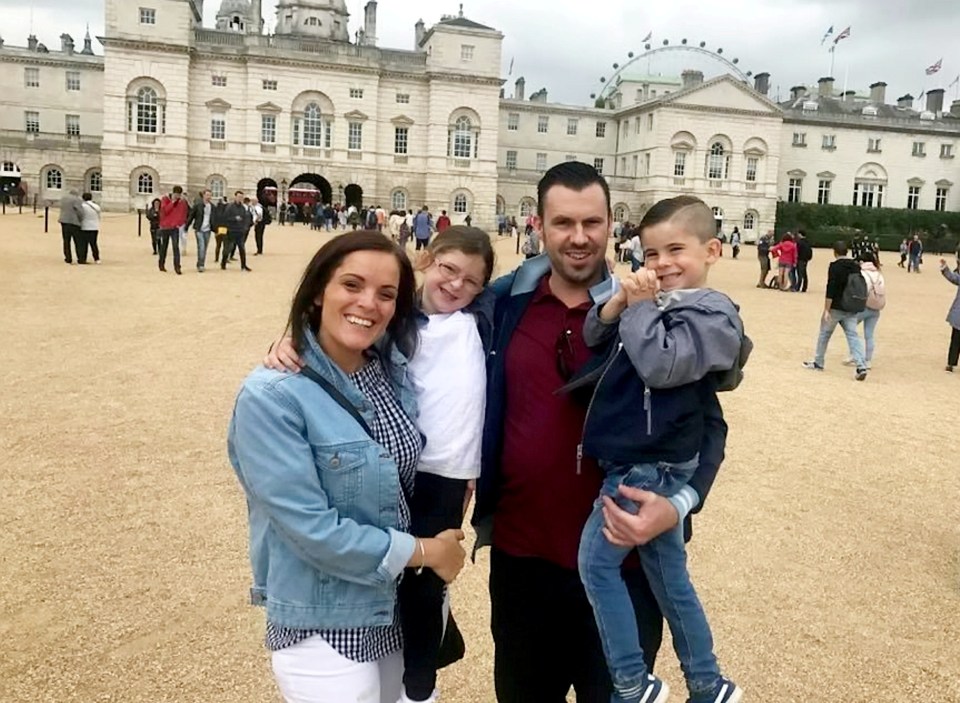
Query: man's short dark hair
177, 189
574, 175
840, 248
239, 192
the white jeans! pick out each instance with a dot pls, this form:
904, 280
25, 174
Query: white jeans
314, 672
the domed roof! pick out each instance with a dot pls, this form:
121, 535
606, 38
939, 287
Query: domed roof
234, 7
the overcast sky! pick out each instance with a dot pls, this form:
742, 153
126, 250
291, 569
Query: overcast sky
554, 44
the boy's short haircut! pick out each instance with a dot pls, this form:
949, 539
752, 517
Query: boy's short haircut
472, 241
693, 211
840, 248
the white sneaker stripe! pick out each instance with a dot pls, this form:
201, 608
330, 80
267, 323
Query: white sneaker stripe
720, 696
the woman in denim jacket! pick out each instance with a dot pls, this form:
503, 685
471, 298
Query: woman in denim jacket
326, 459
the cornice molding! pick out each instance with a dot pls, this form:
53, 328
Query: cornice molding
140, 45
51, 60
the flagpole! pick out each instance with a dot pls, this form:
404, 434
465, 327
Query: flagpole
833, 58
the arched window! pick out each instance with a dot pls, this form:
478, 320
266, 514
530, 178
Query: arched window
54, 179
463, 138
749, 222
147, 110
716, 162
312, 126
145, 184
398, 200
460, 203
527, 207
218, 187
621, 213
95, 182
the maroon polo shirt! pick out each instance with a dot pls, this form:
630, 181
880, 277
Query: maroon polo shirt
543, 501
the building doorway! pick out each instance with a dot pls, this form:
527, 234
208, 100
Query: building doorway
353, 195
302, 185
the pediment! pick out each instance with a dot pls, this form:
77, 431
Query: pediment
683, 145
218, 104
797, 173
754, 151
402, 121
724, 92
826, 175
944, 183
356, 116
915, 181
269, 107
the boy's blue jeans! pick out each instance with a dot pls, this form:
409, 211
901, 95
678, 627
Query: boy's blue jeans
665, 562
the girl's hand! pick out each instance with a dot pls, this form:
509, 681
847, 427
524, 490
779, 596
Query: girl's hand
282, 356
445, 554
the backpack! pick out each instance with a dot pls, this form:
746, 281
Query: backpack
877, 291
267, 217
854, 297
531, 246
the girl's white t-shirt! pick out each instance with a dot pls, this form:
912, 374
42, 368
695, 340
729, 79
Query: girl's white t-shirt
450, 379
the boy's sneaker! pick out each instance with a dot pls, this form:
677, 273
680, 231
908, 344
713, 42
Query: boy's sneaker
652, 691
726, 691
812, 365
861, 374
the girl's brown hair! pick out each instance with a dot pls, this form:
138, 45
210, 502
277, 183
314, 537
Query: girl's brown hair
469, 240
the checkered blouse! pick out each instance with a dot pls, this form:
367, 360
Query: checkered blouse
398, 434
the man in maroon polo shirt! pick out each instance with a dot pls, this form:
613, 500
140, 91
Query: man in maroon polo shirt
536, 490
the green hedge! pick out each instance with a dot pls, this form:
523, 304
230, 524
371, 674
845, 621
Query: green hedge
825, 224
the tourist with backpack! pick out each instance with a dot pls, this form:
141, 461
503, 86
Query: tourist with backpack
953, 317
845, 299
763, 256
531, 244
876, 301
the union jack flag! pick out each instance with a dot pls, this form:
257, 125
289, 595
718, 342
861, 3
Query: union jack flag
935, 67
843, 35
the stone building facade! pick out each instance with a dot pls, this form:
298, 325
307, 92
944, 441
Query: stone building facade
171, 102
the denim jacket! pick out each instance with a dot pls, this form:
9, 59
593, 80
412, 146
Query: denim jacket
322, 497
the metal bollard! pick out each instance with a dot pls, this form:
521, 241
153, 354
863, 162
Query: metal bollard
46, 219
139, 221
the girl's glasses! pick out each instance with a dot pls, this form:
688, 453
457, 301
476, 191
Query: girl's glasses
451, 273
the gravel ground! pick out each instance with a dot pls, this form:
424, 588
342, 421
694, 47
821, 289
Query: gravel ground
826, 557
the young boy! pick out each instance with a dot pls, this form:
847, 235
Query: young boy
674, 343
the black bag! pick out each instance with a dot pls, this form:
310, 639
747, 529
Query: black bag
452, 646
854, 296
267, 217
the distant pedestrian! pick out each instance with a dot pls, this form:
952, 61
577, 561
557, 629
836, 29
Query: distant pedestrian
786, 254
763, 256
953, 317
153, 217
915, 249
422, 226
173, 218
261, 218
90, 225
804, 256
71, 215
904, 252
238, 220
735, 242
443, 221
203, 220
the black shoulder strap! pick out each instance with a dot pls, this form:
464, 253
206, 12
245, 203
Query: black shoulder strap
339, 397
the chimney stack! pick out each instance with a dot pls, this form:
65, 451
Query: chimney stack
849, 95
691, 78
540, 96
420, 31
878, 93
954, 108
519, 88
32, 42
370, 23
761, 83
256, 13
66, 43
825, 87
935, 101
798, 91
905, 101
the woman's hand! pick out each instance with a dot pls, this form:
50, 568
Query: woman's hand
282, 356
445, 555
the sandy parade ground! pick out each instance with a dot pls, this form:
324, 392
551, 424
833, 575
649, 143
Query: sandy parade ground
827, 555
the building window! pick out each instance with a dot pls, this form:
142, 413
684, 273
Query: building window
752, 163
512, 160
403, 98
679, 164
31, 77
913, 198
73, 80
572, 124
601, 130
646, 164
355, 136
636, 165
147, 110
873, 145
799, 138
218, 129
946, 151
95, 184
32, 120
460, 204
750, 221
54, 179
398, 200
636, 124
541, 161
356, 93
570, 157
401, 136
867, 194
219, 81
463, 138
268, 129
466, 52
145, 184
513, 122
717, 162
598, 164
269, 85
623, 165
650, 122
829, 142
73, 125
543, 124
620, 213
148, 16
527, 207
218, 188
940, 204
312, 126
823, 192
794, 190
919, 149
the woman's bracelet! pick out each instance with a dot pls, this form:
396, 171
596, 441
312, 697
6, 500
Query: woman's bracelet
423, 556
